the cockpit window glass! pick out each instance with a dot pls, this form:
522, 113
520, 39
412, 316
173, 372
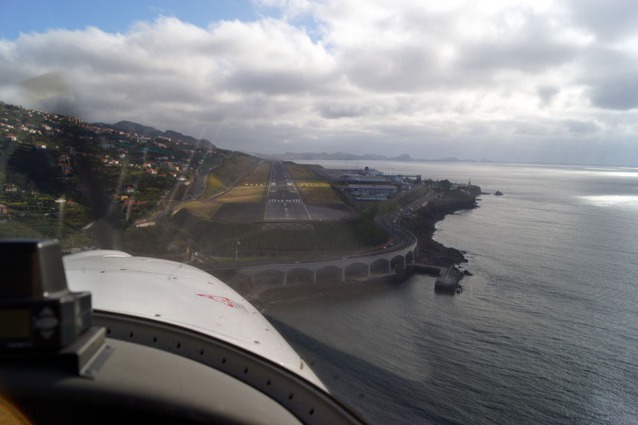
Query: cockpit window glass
432, 202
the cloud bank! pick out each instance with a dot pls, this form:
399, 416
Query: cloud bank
512, 81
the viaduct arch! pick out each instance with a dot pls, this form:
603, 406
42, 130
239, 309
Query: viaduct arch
334, 270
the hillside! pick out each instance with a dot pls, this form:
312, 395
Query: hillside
86, 184
146, 131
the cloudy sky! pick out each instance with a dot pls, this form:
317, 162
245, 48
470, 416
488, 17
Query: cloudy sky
519, 81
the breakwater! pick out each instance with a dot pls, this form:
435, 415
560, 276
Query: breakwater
447, 278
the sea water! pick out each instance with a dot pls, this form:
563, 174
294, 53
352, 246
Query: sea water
545, 332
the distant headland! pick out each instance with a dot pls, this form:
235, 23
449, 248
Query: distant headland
343, 156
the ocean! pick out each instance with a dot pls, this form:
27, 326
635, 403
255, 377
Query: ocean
545, 332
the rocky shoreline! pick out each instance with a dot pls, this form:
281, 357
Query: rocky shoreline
423, 225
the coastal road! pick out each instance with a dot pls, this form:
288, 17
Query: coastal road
283, 201
392, 222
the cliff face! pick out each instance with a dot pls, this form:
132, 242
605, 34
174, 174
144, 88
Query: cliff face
422, 225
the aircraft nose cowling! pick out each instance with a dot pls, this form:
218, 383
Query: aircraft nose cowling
181, 295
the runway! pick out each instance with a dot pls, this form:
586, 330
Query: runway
283, 201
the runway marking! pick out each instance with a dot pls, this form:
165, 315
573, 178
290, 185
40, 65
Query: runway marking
281, 184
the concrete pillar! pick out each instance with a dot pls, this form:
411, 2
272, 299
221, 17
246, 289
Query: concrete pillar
314, 276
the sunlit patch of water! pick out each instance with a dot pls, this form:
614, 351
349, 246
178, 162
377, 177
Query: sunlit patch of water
622, 201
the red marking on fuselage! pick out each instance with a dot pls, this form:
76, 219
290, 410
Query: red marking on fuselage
219, 299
